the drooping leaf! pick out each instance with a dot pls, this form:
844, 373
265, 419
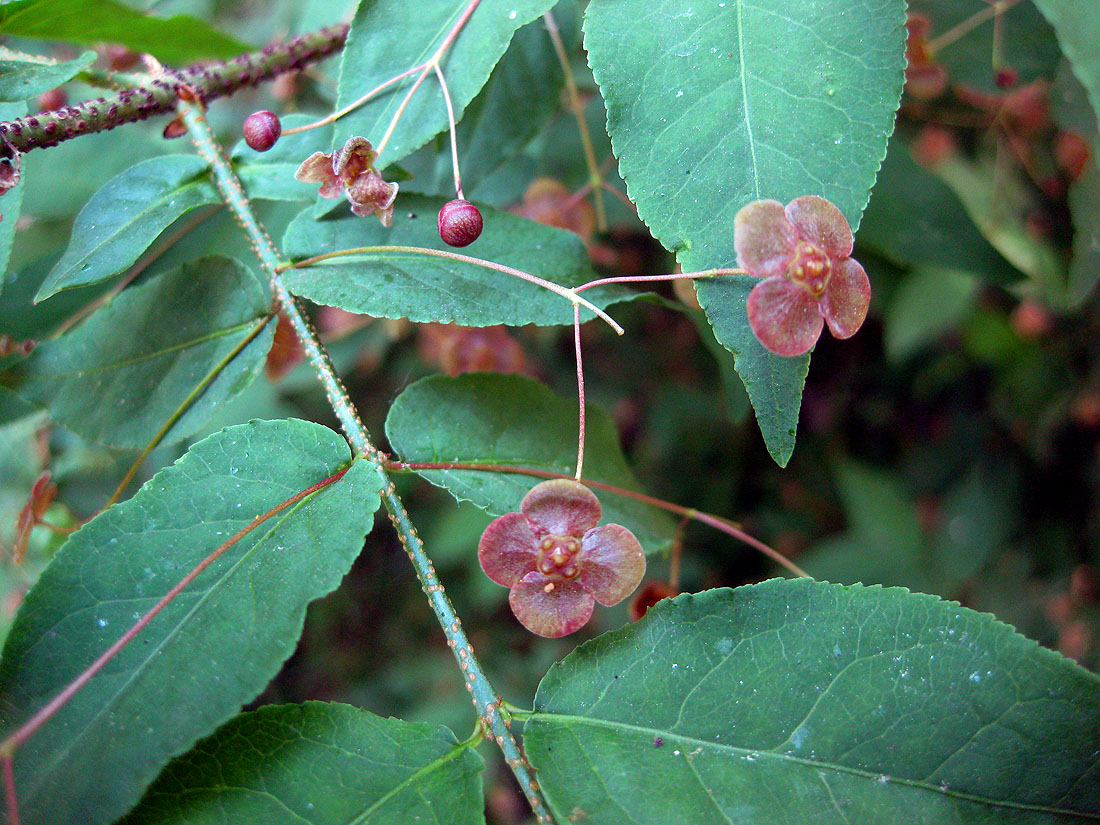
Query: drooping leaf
511, 420
423, 288
124, 217
270, 175
176, 39
914, 219
211, 649
712, 107
23, 79
382, 43
1027, 43
118, 378
320, 763
799, 701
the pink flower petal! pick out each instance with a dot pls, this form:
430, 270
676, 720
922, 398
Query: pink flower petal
612, 563
784, 316
764, 238
559, 611
846, 298
562, 506
822, 224
317, 168
507, 550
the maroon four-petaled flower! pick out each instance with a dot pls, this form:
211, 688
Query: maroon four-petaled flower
803, 254
556, 560
351, 171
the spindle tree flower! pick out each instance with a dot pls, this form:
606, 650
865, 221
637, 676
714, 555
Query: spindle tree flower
557, 561
351, 171
802, 251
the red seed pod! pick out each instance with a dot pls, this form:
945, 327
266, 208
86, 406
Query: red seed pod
460, 223
261, 129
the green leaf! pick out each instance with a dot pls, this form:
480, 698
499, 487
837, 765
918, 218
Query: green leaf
325, 764
914, 218
774, 384
117, 378
177, 39
997, 203
211, 649
799, 701
910, 325
489, 418
527, 79
22, 79
124, 217
712, 107
1084, 206
882, 544
270, 175
423, 288
12, 203
387, 37
1026, 41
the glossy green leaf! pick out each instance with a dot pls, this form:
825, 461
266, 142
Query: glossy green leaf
1027, 42
119, 377
270, 175
323, 764
489, 418
124, 217
800, 701
177, 39
211, 649
914, 218
22, 79
423, 288
385, 41
712, 107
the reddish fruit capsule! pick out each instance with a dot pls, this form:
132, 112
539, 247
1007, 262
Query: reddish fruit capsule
261, 130
460, 223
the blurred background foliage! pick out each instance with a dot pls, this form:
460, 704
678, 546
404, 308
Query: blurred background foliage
952, 446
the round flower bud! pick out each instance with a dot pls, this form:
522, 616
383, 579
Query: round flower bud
460, 223
261, 130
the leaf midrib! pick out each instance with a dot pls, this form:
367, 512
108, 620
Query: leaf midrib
195, 183
149, 356
668, 736
168, 636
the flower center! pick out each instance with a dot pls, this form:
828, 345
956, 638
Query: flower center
558, 557
811, 267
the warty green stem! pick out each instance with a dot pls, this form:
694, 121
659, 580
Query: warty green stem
486, 701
